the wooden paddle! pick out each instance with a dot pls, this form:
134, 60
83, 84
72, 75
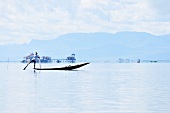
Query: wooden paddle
25, 66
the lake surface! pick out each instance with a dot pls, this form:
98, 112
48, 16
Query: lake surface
95, 88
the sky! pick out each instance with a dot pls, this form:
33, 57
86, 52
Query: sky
24, 20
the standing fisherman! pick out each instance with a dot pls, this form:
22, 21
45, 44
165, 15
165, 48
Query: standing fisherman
34, 59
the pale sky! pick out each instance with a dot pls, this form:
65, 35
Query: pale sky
24, 20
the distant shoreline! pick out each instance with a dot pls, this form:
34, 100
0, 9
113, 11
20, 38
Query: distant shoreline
102, 61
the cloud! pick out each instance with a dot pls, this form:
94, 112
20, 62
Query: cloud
161, 8
24, 20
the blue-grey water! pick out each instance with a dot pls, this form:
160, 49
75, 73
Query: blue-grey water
95, 88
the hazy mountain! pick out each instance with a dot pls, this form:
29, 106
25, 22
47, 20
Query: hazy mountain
94, 45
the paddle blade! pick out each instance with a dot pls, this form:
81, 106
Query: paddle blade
25, 67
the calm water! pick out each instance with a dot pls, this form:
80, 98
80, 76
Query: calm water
95, 88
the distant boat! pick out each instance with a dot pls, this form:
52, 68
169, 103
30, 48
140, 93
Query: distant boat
47, 59
70, 59
138, 61
64, 68
154, 61
44, 59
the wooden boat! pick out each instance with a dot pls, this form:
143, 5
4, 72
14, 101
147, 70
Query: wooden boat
64, 68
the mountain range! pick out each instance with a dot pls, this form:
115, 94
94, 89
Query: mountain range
100, 45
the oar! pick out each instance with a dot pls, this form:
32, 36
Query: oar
25, 66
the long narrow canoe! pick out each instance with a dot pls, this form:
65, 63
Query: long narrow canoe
64, 68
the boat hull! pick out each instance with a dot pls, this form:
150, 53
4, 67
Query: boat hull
64, 68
